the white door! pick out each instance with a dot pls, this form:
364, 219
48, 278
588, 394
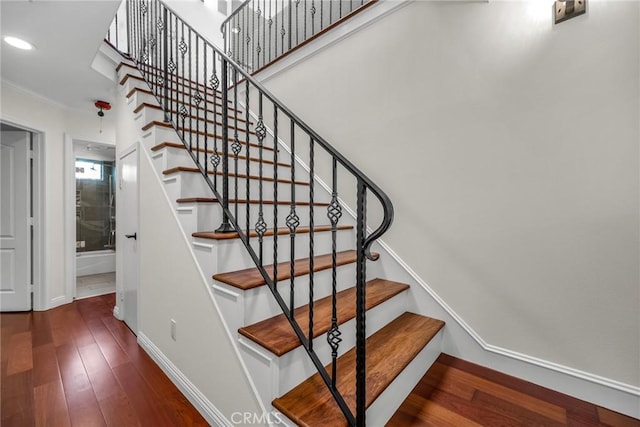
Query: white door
15, 245
128, 226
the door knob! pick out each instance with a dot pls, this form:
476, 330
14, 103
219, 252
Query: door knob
133, 236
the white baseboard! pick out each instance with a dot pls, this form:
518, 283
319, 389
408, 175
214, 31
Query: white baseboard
117, 313
191, 392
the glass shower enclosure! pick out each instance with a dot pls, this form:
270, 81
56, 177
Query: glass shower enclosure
95, 205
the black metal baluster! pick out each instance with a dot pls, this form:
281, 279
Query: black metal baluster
182, 46
305, 19
225, 227
192, 98
215, 156
165, 47
250, 65
245, 48
236, 147
154, 48
248, 159
289, 26
275, 48
361, 277
264, 32
174, 101
270, 22
140, 50
313, 17
293, 221
197, 73
239, 36
334, 212
297, 20
205, 115
321, 15
282, 30
261, 226
257, 36
275, 196
311, 238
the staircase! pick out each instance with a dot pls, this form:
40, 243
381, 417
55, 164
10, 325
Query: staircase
291, 274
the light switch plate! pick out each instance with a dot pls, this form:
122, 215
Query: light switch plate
563, 10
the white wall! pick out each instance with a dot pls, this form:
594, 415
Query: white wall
509, 147
53, 122
172, 287
203, 17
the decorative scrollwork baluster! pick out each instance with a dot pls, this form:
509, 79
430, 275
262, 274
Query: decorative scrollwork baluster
334, 212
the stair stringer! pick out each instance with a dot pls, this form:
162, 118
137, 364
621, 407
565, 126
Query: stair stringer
169, 361
229, 303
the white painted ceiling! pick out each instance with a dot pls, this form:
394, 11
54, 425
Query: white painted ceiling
67, 35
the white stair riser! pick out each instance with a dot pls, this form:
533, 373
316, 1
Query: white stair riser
233, 255
193, 218
383, 408
290, 369
242, 308
131, 82
182, 185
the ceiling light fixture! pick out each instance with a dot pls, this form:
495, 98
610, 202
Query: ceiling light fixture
18, 43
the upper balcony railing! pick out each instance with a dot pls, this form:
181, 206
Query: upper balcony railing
117, 33
261, 31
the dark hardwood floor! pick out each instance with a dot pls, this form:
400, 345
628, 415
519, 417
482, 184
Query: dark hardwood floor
77, 365
458, 393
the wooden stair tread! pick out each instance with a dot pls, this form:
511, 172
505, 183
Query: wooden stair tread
231, 175
144, 105
270, 232
251, 201
251, 278
192, 83
210, 92
200, 132
389, 351
277, 335
179, 146
210, 104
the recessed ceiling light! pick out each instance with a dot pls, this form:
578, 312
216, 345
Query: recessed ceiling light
18, 43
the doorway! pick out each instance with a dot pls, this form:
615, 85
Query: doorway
95, 218
20, 218
128, 244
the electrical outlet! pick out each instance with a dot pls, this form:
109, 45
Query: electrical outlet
82, 243
173, 329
